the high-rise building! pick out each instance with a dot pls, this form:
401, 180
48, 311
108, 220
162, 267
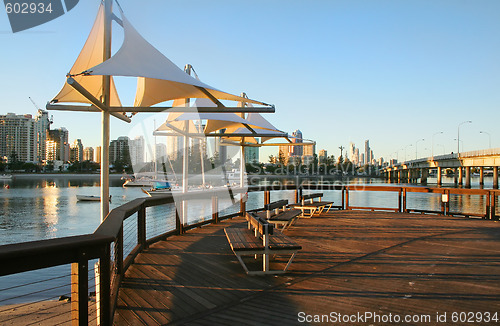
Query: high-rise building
119, 149
323, 156
175, 146
136, 150
88, 154
17, 137
352, 152
296, 150
161, 152
308, 153
367, 152
57, 146
98, 153
42, 125
76, 151
251, 155
284, 152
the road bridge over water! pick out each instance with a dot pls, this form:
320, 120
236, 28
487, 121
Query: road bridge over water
487, 161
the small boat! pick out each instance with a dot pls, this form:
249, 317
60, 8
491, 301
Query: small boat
89, 198
6, 177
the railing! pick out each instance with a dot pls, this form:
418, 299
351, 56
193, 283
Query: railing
134, 226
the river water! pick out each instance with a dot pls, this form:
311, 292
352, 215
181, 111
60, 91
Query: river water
36, 207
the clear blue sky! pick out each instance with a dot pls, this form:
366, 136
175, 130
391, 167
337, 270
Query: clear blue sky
392, 71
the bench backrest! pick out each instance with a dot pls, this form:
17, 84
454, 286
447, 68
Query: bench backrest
275, 205
260, 225
311, 196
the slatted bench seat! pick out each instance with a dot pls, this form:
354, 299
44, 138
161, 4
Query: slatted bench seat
260, 239
308, 204
278, 214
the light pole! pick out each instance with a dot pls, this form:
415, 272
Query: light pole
405, 150
437, 133
458, 136
416, 148
489, 137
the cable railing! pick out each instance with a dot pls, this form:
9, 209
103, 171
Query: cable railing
134, 226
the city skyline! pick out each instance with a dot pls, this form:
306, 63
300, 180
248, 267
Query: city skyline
394, 76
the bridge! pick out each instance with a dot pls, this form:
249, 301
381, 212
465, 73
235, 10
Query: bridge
461, 164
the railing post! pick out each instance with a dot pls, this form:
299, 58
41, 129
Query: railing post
79, 291
493, 206
215, 210
103, 283
141, 227
487, 214
343, 197
400, 200
347, 198
404, 201
267, 197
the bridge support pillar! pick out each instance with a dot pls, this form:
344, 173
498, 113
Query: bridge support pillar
399, 175
481, 176
495, 177
460, 175
467, 177
455, 175
425, 174
439, 182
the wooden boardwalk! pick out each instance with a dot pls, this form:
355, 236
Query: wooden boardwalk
351, 262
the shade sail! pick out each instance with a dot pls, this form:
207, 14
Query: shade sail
160, 79
90, 55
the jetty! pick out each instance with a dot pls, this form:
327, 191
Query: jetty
354, 261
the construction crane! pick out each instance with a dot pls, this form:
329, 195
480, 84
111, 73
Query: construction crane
51, 121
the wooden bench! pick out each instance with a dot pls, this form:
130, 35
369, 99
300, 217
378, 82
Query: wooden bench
307, 203
278, 214
260, 239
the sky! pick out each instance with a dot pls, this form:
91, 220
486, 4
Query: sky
341, 71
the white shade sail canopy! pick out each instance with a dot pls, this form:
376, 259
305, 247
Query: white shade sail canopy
160, 79
90, 55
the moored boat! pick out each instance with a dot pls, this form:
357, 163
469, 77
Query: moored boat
89, 198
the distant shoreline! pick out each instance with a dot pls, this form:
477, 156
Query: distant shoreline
71, 175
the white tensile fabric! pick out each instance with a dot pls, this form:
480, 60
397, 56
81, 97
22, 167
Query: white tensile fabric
162, 80
90, 55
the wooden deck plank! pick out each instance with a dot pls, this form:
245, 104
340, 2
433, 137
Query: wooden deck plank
351, 261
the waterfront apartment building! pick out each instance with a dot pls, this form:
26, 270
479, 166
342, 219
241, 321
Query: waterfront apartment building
119, 149
76, 152
57, 146
136, 150
88, 154
22, 137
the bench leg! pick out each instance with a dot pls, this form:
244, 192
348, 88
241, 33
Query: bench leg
289, 261
242, 263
